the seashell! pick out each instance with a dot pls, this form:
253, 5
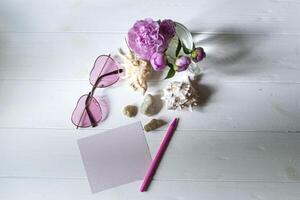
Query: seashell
178, 95
137, 71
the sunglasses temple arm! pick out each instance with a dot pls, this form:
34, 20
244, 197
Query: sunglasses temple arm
108, 74
90, 115
111, 73
81, 117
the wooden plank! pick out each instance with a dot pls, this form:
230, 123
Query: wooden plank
70, 56
258, 16
53, 56
242, 144
28, 189
195, 156
49, 104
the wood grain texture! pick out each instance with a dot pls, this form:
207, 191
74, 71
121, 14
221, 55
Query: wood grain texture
231, 57
195, 156
242, 143
230, 107
263, 16
28, 189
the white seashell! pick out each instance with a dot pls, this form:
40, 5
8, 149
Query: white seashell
137, 71
179, 95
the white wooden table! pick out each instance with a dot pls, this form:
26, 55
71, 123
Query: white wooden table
244, 143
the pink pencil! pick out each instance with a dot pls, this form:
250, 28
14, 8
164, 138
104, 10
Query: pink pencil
161, 150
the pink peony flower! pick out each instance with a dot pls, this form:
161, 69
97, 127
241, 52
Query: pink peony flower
182, 63
198, 54
158, 61
144, 38
167, 29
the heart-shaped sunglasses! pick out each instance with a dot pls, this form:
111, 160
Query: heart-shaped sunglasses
88, 111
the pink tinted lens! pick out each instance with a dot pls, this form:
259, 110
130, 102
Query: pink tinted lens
80, 116
103, 65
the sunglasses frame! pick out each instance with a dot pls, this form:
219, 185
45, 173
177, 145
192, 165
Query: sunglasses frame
90, 95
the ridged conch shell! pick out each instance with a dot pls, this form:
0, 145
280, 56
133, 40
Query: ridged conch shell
137, 71
178, 95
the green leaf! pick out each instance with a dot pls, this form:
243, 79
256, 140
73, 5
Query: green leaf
170, 64
178, 48
171, 72
185, 49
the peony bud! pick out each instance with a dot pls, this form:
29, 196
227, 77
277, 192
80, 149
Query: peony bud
198, 54
182, 63
158, 61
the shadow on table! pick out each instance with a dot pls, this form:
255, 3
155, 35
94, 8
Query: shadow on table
203, 91
228, 48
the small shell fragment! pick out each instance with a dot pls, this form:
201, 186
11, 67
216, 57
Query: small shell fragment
130, 111
154, 124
